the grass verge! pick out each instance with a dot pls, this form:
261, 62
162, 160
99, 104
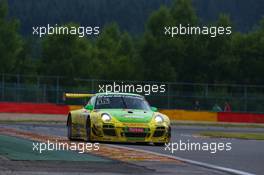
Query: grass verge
31, 121
248, 136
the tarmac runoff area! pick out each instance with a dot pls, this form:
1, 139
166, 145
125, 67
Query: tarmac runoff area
17, 157
120, 158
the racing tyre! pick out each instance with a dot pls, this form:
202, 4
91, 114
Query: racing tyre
169, 134
69, 128
88, 130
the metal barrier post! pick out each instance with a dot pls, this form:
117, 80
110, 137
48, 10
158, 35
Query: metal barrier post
245, 98
3, 87
18, 88
44, 94
206, 90
57, 90
93, 90
168, 96
38, 91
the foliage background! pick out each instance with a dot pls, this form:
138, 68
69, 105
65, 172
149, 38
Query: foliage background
122, 52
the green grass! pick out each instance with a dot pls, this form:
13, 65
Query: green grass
249, 136
30, 121
227, 125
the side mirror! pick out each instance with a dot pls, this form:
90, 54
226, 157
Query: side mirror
154, 109
89, 107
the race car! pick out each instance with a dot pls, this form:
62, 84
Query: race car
118, 117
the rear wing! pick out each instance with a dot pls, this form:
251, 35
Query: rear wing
77, 95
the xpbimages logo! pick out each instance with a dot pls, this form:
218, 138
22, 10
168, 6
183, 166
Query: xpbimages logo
41, 147
212, 147
65, 30
212, 31
146, 89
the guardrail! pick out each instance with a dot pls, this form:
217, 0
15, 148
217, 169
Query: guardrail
50, 89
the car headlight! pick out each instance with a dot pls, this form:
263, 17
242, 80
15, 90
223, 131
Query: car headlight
106, 117
159, 119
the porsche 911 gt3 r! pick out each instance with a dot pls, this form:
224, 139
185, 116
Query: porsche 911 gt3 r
118, 117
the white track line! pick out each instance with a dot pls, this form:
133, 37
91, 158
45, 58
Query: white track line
202, 164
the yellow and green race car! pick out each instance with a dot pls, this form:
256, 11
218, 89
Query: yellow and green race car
119, 117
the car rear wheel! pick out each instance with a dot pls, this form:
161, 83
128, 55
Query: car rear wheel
88, 130
69, 128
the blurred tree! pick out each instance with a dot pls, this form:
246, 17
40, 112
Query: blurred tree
222, 64
188, 64
183, 12
249, 49
11, 43
25, 64
67, 55
157, 50
116, 55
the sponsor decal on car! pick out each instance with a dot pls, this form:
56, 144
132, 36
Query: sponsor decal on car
136, 130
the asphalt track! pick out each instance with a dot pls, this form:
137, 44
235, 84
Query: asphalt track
245, 155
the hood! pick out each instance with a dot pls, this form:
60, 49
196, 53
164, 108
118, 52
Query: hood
130, 115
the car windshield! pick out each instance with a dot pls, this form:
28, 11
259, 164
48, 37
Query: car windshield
121, 102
